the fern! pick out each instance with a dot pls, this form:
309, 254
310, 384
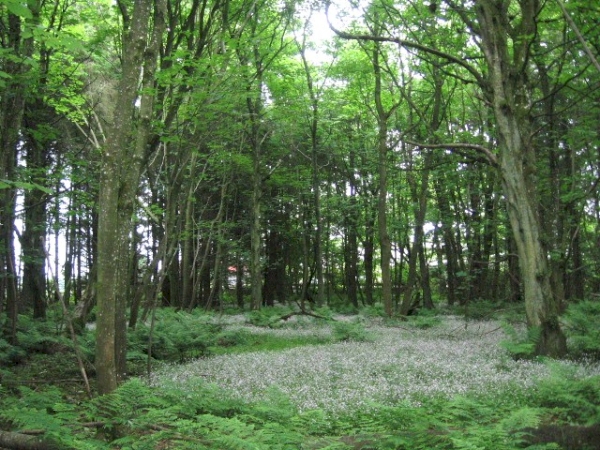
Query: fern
10, 354
46, 410
520, 347
235, 443
232, 338
276, 436
467, 410
424, 321
571, 399
351, 331
525, 417
517, 423
313, 423
582, 326
176, 336
268, 317
200, 416
479, 438
40, 336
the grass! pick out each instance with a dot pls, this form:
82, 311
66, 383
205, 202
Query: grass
267, 342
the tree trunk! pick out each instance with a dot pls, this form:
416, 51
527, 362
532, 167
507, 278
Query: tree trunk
382, 150
449, 240
15, 65
306, 232
239, 280
273, 260
425, 282
188, 297
351, 238
254, 102
120, 171
316, 188
369, 253
507, 80
419, 199
33, 244
34, 238
276, 279
256, 248
351, 252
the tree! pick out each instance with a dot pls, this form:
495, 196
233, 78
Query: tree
217, 143
122, 159
314, 154
18, 23
383, 114
260, 41
505, 35
508, 92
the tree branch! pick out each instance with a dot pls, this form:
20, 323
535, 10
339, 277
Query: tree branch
489, 156
584, 44
406, 44
303, 313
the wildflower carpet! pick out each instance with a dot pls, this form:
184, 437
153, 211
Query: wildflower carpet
261, 382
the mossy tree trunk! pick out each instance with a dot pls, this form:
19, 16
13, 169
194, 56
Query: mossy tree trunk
507, 77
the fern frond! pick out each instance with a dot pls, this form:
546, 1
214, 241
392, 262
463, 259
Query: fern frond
522, 418
235, 443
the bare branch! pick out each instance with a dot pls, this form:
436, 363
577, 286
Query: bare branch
584, 44
489, 155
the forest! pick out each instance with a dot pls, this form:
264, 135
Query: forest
184, 179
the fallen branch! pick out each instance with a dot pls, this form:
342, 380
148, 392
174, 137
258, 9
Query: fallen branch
34, 439
20, 441
303, 313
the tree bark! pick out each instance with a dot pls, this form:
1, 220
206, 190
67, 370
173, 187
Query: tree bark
255, 106
351, 213
11, 115
351, 250
35, 202
382, 150
452, 269
120, 171
256, 248
19, 441
419, 199
369, 252
507, 82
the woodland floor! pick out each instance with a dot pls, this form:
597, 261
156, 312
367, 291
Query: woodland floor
338, 378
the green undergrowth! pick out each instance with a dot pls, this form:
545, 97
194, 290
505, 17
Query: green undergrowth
581, 323
486, 310
44, 352
200, 416
241, 342
40, 389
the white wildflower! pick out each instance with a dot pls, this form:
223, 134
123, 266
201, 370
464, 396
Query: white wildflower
402, 364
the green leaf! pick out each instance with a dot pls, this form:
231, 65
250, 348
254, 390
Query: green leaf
7, 184
17, 8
